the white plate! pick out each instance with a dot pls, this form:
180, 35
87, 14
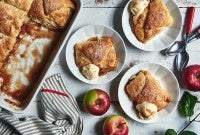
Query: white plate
166, 79
162, 40
84, 34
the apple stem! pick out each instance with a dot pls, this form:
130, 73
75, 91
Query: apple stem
99, 103
121, 125
198, 76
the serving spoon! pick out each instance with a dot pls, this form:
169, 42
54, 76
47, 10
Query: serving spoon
178, 46
181, 60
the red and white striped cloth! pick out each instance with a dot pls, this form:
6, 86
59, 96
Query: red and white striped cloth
61, 114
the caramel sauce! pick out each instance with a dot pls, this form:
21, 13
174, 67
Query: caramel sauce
104, 71
34, 30
24, 92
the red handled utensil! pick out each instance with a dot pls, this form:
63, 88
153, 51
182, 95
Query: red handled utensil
178, 46
190, 16
181, 60
194, 35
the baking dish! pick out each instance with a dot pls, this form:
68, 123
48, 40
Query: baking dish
51, 58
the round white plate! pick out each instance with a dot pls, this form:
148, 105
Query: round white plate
166, 79
162, 40
84, 34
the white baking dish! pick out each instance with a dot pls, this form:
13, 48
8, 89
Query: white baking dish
52, 58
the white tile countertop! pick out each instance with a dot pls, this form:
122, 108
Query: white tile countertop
109, 13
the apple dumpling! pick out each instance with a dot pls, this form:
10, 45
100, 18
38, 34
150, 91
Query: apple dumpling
144, 90
96, 56
149, 18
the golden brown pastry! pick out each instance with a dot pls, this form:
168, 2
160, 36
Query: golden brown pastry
145, 88
151, 21
6, 45
52, 13
11, 19
97, 51
21, 4
25, 45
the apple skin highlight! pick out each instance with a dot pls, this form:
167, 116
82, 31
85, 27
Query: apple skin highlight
96, 102
190, 77
115, 125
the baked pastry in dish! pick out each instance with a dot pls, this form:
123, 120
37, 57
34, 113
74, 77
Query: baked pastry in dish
6, 45
52, 13
99, 51
24, 65
25, 45
21, 4
143, 87
11, 20
151, 20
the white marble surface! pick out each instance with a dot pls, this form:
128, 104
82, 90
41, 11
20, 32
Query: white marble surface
109, 14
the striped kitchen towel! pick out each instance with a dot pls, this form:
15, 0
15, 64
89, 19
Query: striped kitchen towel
60, 113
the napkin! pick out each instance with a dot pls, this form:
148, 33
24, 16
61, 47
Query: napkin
60, 113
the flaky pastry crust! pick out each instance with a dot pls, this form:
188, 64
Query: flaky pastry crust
52, 13
145, 88
152, 21
97, 51
20, 4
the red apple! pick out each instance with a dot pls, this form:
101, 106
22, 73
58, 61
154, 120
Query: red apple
190, 77
96, 102
115, 125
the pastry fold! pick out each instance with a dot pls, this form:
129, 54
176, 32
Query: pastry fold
152, 21
6, 45
21, 4
97, 51
52, 13
11, 20
145, 88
